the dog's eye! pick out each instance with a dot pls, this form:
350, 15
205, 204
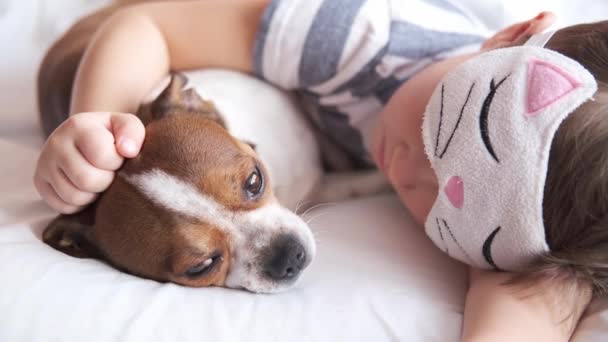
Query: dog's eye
204, 267
254, 185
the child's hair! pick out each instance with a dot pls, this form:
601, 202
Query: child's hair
576, 191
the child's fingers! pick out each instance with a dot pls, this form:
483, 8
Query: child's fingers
129, 133
67, 191
82, 174
49, 195
97, 147
542, 21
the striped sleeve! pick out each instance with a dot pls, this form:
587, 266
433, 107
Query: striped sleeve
319, 44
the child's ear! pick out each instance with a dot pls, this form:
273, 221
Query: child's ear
517, 32
71, 234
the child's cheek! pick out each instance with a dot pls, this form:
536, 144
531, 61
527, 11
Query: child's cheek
418, 201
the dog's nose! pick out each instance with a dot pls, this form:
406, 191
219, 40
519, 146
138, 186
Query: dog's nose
286, 259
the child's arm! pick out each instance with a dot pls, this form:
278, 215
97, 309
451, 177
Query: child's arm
137, 46
497, 312
129, 55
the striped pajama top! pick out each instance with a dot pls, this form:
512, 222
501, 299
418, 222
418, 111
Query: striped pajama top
345, 58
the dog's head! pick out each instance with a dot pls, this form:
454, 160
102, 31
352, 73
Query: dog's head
195, 207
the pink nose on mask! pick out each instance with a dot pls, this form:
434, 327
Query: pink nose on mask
454, 190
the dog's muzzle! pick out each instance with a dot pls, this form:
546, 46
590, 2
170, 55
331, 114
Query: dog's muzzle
285, 260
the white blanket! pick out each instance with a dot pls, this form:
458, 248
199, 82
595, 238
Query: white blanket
377, 277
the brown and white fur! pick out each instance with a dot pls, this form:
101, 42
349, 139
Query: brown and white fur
181, 211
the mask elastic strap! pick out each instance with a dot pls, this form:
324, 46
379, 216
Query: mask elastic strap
540, 39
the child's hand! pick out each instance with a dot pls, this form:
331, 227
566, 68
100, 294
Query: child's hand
78, 160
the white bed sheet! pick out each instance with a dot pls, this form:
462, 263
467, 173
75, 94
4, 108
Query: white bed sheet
376, 276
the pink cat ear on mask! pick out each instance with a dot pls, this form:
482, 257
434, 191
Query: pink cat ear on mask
547, 84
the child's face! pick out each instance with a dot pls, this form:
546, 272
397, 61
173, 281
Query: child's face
398, 148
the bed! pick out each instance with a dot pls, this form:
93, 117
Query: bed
376, 276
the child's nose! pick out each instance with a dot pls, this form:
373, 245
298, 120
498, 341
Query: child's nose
400, 168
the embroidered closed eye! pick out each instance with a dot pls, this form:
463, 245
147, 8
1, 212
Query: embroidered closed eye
483, 117
486, 249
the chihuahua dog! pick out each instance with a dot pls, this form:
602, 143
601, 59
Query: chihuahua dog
197, 206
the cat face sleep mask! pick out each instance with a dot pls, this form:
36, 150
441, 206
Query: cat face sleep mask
487, 132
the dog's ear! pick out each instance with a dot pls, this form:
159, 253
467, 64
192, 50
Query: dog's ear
175, 99
71, 234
